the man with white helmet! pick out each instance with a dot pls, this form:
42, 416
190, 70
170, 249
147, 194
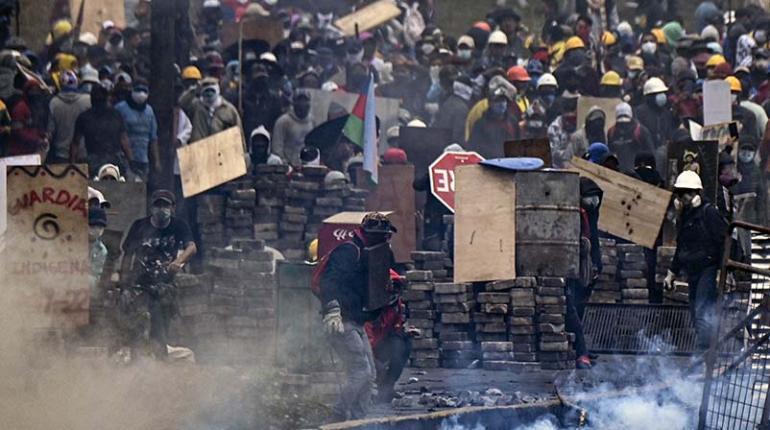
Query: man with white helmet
700, 241
655, 112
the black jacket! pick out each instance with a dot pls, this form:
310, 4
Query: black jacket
346, 280
700, 239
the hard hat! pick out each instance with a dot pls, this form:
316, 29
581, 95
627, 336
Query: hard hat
660, 37
547, 79
611, 78
735, 84
574, 42
88, 39
609, 39
393, 132
518, 74
61, 28
715, 60
191, 72
482, 25
688, 180
634, 62
376, 222
498, 38
416, 123
312, 250
654, 86
269, 57
334, 177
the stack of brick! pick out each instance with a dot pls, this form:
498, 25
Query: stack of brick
665, 257
433, 261
607, 288
497, 355
271, 183
210, 214
239, 210
522, 323
633, 274
455, 303
301, 194
422, 315
233, 319
555, 350
329, 202
490, 318
355, 200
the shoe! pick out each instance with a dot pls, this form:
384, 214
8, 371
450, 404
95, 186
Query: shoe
583, 362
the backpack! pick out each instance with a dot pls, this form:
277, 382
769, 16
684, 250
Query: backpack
320, 268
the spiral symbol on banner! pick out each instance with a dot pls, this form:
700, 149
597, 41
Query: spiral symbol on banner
46, 226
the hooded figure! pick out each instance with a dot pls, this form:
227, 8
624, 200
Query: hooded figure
592, 131
454, 110
627, 138
291, 128
259, 148
65, 108
751, 192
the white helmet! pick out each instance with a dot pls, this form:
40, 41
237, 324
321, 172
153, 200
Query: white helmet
497, 37
654, 86
688, 180
416, 123
334, 177
547, 79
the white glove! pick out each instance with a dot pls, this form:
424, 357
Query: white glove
333, 321
668, 283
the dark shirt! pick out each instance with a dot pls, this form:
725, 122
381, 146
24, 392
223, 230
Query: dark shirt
153, 248
101, 130
700, 239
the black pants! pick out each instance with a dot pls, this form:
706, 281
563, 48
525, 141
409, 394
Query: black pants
572, 322
391, 355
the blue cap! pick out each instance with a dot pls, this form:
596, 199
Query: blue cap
597, 152
514, 163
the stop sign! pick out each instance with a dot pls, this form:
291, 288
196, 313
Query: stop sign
442, 175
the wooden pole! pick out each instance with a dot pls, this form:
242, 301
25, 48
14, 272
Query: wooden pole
162, 89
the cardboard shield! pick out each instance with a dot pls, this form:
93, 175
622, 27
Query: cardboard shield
536, 148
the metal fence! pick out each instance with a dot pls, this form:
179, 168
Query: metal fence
738, 362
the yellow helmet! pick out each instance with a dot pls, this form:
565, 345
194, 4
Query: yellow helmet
608, 38
574, 42
660, 37
312, 251
715, 60
611, 78
61, 28
191, 72
735, 84
634, 63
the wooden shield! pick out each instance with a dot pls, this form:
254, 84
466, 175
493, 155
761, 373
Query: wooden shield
378, 263
212, 161
537, 148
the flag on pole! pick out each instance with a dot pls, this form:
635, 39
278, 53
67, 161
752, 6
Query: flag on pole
361, 128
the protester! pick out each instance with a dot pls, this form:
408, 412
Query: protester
65, 108
142, 129
291, 128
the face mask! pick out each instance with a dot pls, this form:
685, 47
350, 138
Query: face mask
746, 156
595, 127
549, 98
760, 36
632, 74
499, 108
160, 217
139, 97
661, 99
301, 111
427, 48
569, 123
209, 96
464, 54
590, 202
95, 232
649, 47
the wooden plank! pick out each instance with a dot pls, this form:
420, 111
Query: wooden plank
537, 148
631, 209
369, 17
269, 29
378, 261
96, 12
212, 161
395, 193
607, 105
485, 225
48, 268
128, 202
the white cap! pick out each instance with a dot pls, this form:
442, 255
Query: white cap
393, 132
88, 38
110, 171
268, 56
211, 3
498, 37
466, 40
106, 25
93, 193
623, 112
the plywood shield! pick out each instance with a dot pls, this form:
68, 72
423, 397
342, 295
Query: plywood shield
212, 161
95, 12
485, 225
631, 209
47, 268
269, 29
395, 193
369, 17
378, 264
700, 157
